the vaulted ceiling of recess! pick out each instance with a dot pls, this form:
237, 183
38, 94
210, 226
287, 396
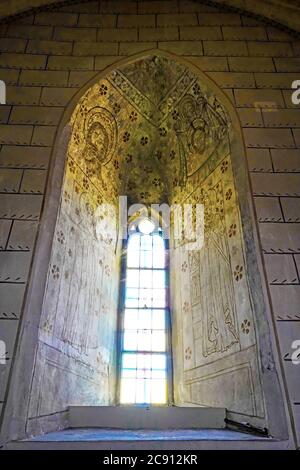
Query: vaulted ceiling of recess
285, 12
145, 128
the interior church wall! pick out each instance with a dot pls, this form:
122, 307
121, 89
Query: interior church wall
48, 56
76, 354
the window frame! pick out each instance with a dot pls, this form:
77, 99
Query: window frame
168, 324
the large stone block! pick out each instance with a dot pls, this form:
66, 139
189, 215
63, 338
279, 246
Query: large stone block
19, 206
157, 6
22, 235
286, 160
23, 61
129, 48
19, 135
259, 99
136, 21
56, 96
95, 48
233, 79
49, 47
158, 34
244, 33
35, 115
12, 45
271, 49
23, 95
70, 63
275, 184
259, 160
224, 19
24, 156
117, 34
182, 47
280, 269
75, 34
43, 135
29, 31
291, 209
268, 209
251, 64
225, 48
33, 182
272, 138
98, 21
174, 19
197, 33
10, 180
56, 18
44, 78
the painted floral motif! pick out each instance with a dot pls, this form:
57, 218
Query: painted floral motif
133, 116
55, 272
103, 90
228, 194
246, 327
232, 230
185, 307
196, 89
188, 353
126, 136
71, 166
144, 140
144, 195
224, 166
238, 272
158, 155
128, 158
61, 237
175, 114
184, 266
107, 270
172, 154
162, 131
116, 108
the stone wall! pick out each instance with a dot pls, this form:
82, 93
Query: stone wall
47, 57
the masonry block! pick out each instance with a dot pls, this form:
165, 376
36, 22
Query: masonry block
24, 156
70, 63
75, 34
197, 33
43, 135
43, 78
286, 160
291, 209
136, 21
10, 180
158, 34
280, 269
23, 95
268, 209
275, 184
259, 160
49, 47
95, 48
117, 34
225, 48
182, 47
23, 61
241, 33
35, 115
11, 134
97, 21
174, 19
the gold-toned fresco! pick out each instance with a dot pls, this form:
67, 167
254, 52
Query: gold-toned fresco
214, 307
153, 131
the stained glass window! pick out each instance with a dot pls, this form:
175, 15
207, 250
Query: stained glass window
144, 342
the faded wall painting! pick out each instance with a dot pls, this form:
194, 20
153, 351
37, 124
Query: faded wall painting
216, 357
